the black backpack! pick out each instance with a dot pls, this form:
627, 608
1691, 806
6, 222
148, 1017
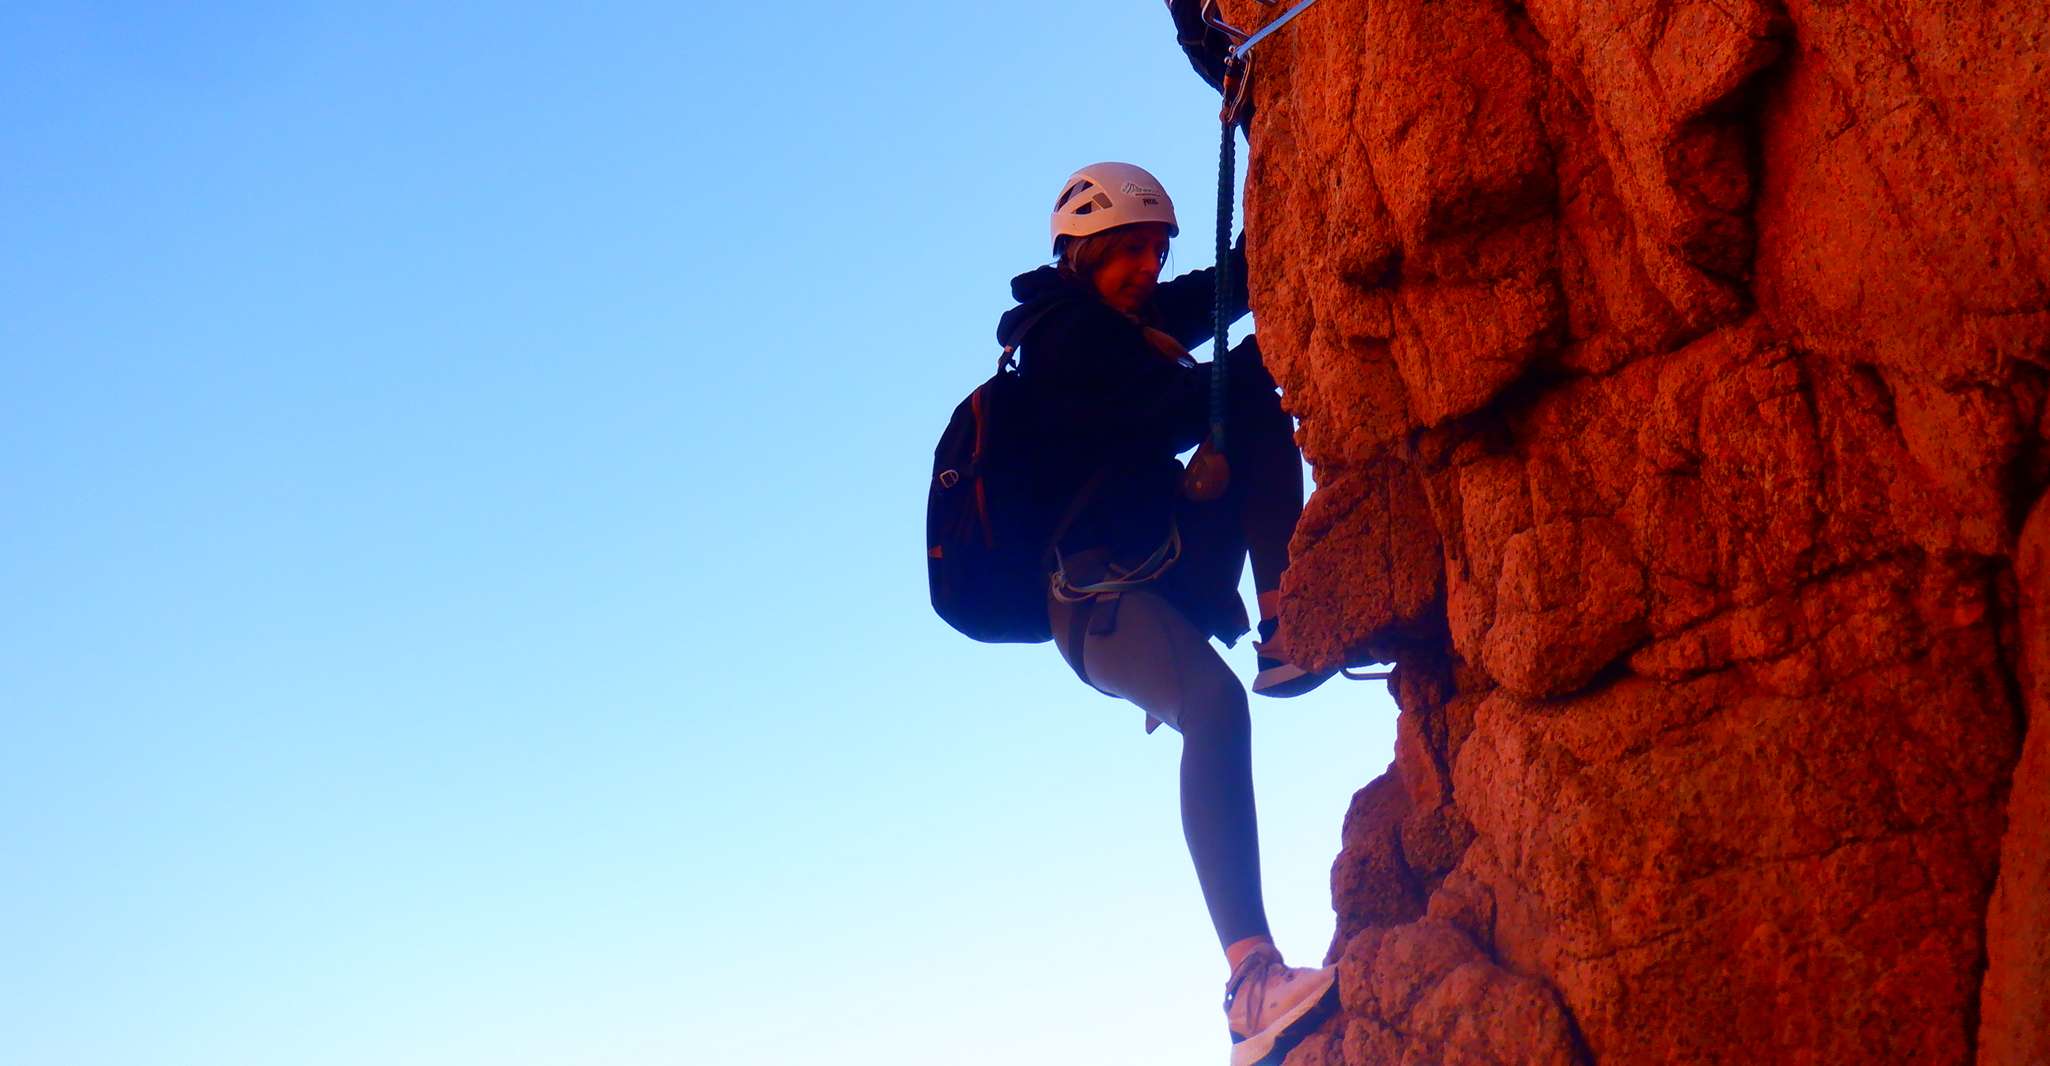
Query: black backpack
987, 531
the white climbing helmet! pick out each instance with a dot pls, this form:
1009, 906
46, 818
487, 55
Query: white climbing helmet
1104, 196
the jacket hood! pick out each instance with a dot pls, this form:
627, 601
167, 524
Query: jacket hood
1035, 291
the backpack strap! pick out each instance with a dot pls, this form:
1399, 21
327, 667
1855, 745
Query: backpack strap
1080, 614
1008, 359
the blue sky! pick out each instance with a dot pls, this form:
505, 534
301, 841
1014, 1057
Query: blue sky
464, 470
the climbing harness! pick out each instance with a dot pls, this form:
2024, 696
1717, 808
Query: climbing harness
1121, 579
1093, 605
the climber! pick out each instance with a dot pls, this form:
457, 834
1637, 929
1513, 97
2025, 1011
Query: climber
1144, 576
1204, 37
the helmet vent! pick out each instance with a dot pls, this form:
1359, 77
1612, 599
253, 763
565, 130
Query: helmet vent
1075, 190
1102, 201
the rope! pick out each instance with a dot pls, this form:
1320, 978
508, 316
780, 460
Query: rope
1227, 186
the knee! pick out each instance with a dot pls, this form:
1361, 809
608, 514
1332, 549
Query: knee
1214, 709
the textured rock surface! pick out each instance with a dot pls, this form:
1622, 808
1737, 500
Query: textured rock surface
2017, 1027
1674, 372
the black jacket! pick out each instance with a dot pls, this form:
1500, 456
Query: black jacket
1104, 398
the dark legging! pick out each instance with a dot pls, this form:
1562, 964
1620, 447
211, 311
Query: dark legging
1156, 658
1147, 651
1266, 491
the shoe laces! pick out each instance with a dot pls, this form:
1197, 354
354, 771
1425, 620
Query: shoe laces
1250, 977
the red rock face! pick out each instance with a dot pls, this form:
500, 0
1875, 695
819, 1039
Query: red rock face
1674, 372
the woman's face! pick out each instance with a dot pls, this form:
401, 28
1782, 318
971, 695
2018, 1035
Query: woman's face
1129, 272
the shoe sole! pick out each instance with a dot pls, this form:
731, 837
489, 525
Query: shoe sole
1272, 1044
1286, 680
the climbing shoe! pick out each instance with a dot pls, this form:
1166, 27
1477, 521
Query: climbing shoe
1271, 1007
1278, 677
